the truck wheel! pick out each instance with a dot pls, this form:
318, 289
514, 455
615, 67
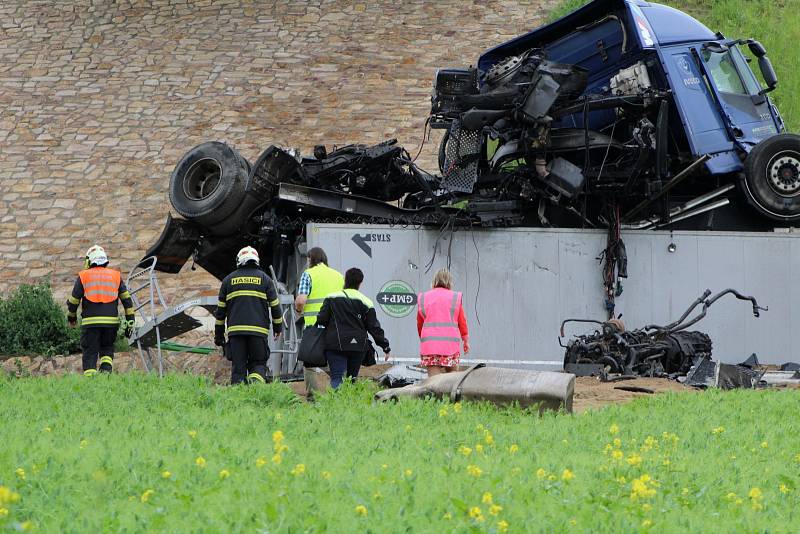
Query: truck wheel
771, 180
208, 186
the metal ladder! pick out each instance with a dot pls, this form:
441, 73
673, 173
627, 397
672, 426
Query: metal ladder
144, 275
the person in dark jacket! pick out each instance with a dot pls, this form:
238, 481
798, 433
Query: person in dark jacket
247, 299
347, 316
99, 290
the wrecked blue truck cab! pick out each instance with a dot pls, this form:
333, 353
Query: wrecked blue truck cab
650, 79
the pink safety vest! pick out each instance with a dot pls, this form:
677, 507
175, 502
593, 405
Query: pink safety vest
440, 309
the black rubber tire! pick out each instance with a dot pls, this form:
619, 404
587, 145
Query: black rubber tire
208, 186
443, 150
771, 179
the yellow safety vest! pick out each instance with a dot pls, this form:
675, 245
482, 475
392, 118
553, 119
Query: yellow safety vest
324, 281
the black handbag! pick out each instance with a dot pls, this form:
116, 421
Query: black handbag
312, 347
369, 355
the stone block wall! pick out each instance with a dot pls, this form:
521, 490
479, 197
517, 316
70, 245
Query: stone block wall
99, 100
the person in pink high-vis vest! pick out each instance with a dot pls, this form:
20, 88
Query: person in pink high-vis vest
441, 325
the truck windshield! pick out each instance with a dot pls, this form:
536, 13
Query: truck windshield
725, 68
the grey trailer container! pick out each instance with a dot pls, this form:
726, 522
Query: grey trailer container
520, 283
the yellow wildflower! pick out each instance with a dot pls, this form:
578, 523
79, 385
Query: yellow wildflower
385, 466
26, 525
718, 430
276, 459
261, 462
647, 523
607, 448
146, 495
797, 458
223, 474
408, 472
489, 439
466, 451
573, 521
646, 507
513, 448
361, 510
299, 469
666, 462
622, 480
447, 516
200, 462
47, 429
495, 509
443, 412
84, 443
552, 477
756, 499
617, 454
487, 498
479, 448
457, 407
567, 475
7, 496
731, 496
377, 496
634, 460
476, 513
3, 512
326, 475
192, 433
20, 472
613, 429
277, 436
408, 428
755, 493
617, 442
784, 488
640, 488
541, 473
502, 526
474, 470
764, 444
165, 474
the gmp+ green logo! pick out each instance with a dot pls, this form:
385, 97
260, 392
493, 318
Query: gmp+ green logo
397, 298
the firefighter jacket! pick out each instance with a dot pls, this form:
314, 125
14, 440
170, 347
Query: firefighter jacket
245, 299
347, 316
97, 290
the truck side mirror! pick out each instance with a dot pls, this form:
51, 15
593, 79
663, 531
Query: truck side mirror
757, 48
768, 73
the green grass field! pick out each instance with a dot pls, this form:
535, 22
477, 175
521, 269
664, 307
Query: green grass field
132, 453
776, 23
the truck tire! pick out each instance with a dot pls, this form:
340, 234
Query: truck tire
208, 186
771, 180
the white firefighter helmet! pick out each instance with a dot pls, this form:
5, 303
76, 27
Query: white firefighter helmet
96, 255
245, 255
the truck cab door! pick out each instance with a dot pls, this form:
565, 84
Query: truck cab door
748, 114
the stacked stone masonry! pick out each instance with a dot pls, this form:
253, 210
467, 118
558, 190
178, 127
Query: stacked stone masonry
99, 100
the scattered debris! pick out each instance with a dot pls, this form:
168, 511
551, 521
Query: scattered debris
635, 389
657, 351
398, 376
548, 390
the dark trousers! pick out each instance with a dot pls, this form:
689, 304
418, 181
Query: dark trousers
341, 362
249, 356
98, 342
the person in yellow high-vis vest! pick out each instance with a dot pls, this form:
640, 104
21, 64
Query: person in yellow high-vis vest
316, 283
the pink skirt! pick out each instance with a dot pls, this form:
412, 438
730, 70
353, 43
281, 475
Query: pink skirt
441, 360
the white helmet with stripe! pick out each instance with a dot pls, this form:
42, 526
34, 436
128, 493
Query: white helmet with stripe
245, 255
96, 255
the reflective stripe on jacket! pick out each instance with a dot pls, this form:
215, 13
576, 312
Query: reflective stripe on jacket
440, 309
324, 281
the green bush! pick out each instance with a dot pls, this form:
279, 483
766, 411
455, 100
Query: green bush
31, 322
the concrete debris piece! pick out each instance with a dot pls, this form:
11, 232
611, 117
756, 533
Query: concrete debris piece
548, 390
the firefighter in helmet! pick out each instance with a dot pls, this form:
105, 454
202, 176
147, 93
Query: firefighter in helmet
247, 302
97, 290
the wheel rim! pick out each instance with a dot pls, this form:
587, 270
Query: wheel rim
783, 173
202, 179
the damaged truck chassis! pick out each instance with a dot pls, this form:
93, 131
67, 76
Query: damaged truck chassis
623, 114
